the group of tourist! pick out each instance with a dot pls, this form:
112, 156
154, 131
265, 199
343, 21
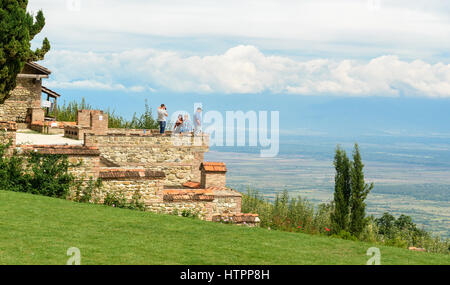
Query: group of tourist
182, 124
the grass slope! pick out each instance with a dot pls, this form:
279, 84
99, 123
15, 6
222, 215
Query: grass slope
39, 230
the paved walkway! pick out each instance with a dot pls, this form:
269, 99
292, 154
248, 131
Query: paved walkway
24, 137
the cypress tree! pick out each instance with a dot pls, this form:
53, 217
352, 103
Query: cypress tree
359, 192
342, 191
17, 29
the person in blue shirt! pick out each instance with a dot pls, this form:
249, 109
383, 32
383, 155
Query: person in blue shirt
187, 125
198, 121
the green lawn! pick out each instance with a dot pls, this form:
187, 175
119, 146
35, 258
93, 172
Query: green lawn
39, 230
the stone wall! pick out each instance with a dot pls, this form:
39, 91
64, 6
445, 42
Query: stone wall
178, 157
213, 179
162, 161
27, 94
203, 202
7, 134
128, 182
85, 159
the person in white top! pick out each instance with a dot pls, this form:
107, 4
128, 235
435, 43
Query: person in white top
162, 114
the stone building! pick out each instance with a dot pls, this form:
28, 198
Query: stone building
24, 105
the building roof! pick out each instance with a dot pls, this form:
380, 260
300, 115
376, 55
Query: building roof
39, 67
50, 93
213, 167
32, 70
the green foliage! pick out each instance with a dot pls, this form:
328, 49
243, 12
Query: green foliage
118, 200
46, 175
189, 214
288, 214
49, 175
85, 191
359, 192
37, 174
342, 192
68, 113
17, 29
299, 215
345, 235
402, 231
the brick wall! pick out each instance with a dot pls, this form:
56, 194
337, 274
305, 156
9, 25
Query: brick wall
88, 121
84, 118
213, 179
27, 94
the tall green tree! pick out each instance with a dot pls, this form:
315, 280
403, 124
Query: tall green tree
342, 192
359, 192
17, 29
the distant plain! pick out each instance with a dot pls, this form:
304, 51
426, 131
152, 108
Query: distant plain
411, 174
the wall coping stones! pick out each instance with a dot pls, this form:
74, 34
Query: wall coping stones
116, 174
62, 149
175, 195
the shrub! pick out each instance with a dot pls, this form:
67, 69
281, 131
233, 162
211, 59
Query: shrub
287, 214
118, 199
85, 191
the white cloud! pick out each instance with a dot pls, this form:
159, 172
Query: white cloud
408, 27
245, 69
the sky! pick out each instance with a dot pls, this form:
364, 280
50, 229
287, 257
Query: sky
319, 63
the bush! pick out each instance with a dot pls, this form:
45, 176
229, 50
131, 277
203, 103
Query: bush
345, 235
85, 191
118, 200
46, 175
288, 214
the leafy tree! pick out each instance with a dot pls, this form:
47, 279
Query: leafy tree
359, 192
342, 192
17, 29
386, 225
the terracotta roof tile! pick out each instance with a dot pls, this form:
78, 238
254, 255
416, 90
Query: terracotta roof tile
213, 167
191, 184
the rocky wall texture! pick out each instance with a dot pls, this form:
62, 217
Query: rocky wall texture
27, 94
178, 157
8, 134
149, 189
